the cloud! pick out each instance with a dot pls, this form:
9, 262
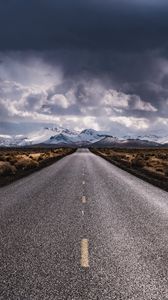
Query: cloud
135, 123
51, 24
86, 63
84, 101
117, 99
59, 100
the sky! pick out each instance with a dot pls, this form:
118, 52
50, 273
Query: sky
84, 64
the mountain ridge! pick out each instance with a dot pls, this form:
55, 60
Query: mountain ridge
59, 136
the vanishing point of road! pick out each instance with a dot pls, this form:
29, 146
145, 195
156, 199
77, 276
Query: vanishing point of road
83, 229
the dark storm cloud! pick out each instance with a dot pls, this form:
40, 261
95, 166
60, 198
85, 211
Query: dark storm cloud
111, 37
48, 24
100, 58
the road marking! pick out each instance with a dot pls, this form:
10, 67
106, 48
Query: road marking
83, 213
84, 253
83, 199
83, 182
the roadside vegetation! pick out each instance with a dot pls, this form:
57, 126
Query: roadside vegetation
16, 163
148, 164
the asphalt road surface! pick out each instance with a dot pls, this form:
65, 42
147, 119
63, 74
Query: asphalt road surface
83, 229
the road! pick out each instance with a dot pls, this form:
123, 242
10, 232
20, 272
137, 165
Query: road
83, 229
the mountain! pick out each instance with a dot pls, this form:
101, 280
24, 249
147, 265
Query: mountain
48, 135
83, 138
161, 139
60, 140
57, 136
92, 134
109, 142
63, 137
12, 141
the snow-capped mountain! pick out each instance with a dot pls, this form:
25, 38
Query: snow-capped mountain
92, 135
12, 141
84, 137
109, 142
155, 138
54, 136
59, 136
61, 139
48, 135
161, 139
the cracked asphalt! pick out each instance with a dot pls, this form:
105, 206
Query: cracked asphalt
121, 221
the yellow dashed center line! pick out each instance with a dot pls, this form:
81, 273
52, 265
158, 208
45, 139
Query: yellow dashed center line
84, 253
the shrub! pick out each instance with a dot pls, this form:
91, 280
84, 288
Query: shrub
166, 172
138, 162
159, 169
26, 164
2, 158
6, 168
